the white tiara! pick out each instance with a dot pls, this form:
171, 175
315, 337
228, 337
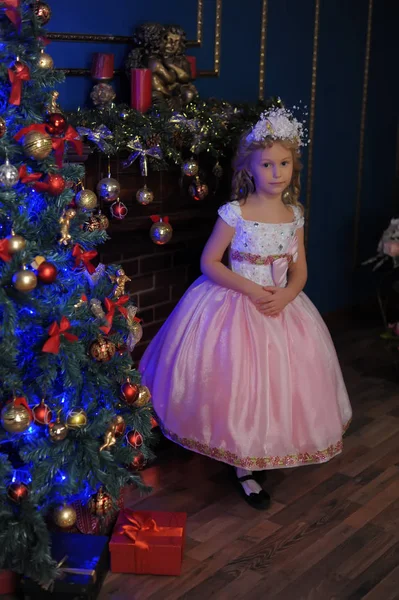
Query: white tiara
278, 124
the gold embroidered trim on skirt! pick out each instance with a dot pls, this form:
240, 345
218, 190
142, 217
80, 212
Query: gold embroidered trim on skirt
257, 259
259, 463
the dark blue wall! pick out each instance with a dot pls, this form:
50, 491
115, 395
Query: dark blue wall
333, 281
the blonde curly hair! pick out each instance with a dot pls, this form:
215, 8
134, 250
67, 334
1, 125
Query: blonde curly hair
243, 184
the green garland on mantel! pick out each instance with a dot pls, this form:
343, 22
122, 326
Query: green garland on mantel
210, 127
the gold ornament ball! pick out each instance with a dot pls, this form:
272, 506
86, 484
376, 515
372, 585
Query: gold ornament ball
198, 190
108, 189
76, 418
3, 127
15, 418
102, 350
144, 396
24, 281
37, 145
42, 12
161, 233
64, 516
144, 196
86, 199
45, 61
16, 243
57, 431
190, 168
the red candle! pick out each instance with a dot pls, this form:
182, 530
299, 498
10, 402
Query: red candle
103, 66
140, 89
193, 65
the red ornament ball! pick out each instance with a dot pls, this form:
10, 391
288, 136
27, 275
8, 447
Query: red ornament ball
130, 392
42, 414
47, 272
17, 491
56, 184
134, 438
118, 210
138, 462
56, 124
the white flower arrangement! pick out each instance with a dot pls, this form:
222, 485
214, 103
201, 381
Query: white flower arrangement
278, 124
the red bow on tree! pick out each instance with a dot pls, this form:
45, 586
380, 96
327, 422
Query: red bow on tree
16, 77
11, 10
4, 254
157, 218
55, 331
58, 143
111, 307
26, 177
84, 257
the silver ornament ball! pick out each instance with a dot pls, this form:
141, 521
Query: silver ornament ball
9, 175
108, 189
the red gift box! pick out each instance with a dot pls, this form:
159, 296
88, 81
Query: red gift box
148, 542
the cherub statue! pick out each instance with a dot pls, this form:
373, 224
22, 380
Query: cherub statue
161, 49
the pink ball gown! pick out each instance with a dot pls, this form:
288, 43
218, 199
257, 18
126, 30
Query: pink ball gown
246, 389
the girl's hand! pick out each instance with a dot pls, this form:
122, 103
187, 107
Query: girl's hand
259, 298
276, 302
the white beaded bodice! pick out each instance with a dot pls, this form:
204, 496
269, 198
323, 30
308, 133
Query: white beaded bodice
263, 239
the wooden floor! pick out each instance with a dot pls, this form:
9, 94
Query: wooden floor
332, 531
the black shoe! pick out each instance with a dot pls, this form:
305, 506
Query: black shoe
260, 501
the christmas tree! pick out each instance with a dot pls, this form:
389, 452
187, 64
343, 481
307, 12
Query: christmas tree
75, 421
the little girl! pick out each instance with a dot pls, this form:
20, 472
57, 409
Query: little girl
244, 369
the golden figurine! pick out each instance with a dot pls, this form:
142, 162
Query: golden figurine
161, 49
65, 222
109, 437
120, 278
52, 106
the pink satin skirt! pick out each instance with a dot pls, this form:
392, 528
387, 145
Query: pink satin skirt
246, 389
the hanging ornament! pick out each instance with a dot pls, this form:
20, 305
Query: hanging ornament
217, 170
57, 430
97, 222
198, 190
108, 189
86, 199
45, 61
52, 105
144, 196
4, 253
17, 491
57, 142
116, 429
134, 438
100, 504
41, 413
47, 272
138, 462
16, 243
118, 210
190, 168
161, 231
65, 222
24, 280
64, 516
130, 391
16, 416
9, 175
3, 127
144, 396
37, 145
56, 123
120, 279
76, 418
102, 350
154, 423
124, 114
42, 12
54, 184
134, 326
